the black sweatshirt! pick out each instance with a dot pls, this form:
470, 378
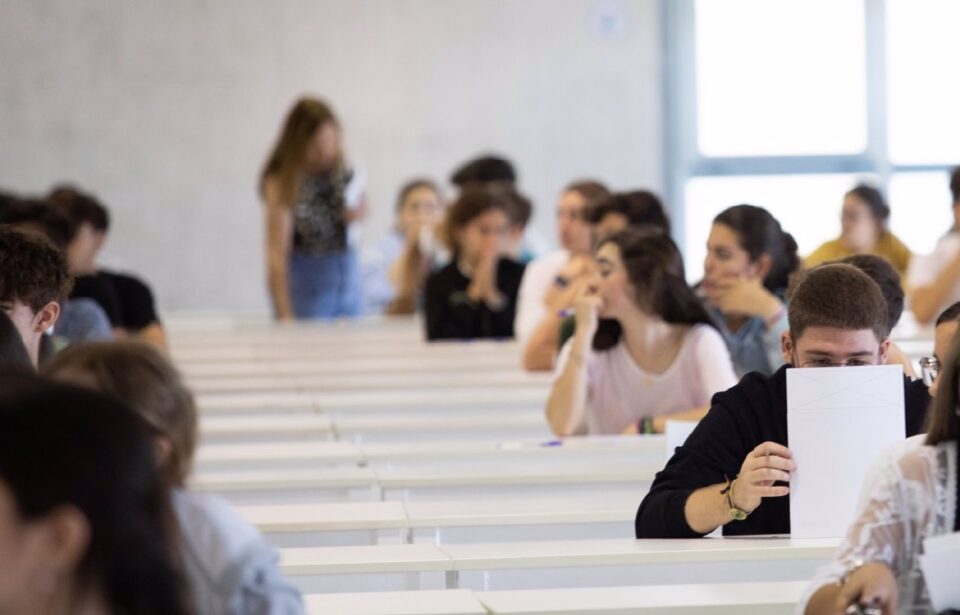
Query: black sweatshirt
752, 412
451, 314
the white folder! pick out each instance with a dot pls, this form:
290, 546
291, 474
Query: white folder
839, 419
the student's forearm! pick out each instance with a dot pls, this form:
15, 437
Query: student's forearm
823, 601
660, 422
280, 292
565, 407
926, 300
540, 350
707, 509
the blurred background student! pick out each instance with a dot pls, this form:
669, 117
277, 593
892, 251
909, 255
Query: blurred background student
312, 197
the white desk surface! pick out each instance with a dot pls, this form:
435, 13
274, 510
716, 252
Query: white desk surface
327, 451
264, 402
443, 602
547, 554
366, 559
423, 557
326, 517
771, 598
511, 474
616, 507
369, 365
465, 421
265, 425
283, 479
586, 447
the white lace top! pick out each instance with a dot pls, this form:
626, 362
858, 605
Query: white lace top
914, 497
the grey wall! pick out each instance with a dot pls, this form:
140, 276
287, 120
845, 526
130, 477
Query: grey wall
166, 109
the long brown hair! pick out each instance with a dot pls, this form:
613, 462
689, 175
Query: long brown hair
943, 424
654, 267
287, 160
143, 378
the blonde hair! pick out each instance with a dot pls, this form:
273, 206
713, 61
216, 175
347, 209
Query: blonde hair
142, 378
287, 160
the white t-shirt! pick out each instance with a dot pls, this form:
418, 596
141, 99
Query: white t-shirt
619, 393
537, 278
924, 269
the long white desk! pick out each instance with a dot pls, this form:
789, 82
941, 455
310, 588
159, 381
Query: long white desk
273, 428
274, 454
545, 564
448, 602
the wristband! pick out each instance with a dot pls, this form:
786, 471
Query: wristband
738, 514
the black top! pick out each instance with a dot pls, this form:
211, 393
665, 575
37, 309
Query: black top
451, 314
99, 288
741, 418
127, 302
319, 218
137, 307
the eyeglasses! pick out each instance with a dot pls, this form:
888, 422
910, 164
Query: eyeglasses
829, 363
929, 369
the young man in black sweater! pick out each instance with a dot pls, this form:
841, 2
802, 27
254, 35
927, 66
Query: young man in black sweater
734, 469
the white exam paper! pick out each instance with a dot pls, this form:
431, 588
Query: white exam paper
839, 419
939, 564
676, 433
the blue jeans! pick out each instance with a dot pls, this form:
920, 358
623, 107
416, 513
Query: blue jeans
325, 286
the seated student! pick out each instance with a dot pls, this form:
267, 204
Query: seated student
33, 281
475, 295
864, 231
934, 280
639, 209
551, 282
914, 498
84, 519
13, 352
127, 300
837, 317
81, 319
882, 272
396, 270
745, 276
493, 172
623, 210
948, 322
229, 567
645, 350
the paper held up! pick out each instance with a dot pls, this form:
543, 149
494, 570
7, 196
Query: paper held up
839, 420
941, 556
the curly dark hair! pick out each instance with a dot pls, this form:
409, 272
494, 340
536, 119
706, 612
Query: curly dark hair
32, 269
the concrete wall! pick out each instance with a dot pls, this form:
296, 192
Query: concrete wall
167, 109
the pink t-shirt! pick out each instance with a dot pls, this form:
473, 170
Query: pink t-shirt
619, 393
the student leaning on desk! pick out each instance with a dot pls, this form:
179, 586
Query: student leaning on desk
733, 469
916, 496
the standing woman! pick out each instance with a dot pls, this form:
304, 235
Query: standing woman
745, 275
312, 196
864, 231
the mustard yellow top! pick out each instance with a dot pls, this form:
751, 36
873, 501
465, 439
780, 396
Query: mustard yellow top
889, 247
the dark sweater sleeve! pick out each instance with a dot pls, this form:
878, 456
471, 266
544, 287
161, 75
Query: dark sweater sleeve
712, 451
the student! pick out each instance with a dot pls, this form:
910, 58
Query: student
84, 519
475, 295
864, 231
623, 210
915, 498
229, 568
837, 317
745, 276
312, 197
399, 265
13, 353
645, 350
948, 322
81, 319
484, 172
934, 280
551, 282
891, 287
639, 209
519, 211
127, 300
33, 282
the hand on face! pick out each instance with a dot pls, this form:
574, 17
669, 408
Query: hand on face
768, 463
741, 296
586, 308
